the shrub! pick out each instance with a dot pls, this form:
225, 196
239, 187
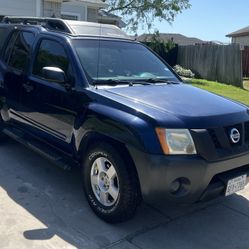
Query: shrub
183, 71
166, 49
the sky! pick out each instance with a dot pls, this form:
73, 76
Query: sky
209, 20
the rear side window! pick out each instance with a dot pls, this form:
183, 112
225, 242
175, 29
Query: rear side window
17, 55
50, 54
10, 46
3, 35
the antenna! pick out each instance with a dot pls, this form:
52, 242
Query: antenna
99, 47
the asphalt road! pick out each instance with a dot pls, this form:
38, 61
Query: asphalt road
42, 206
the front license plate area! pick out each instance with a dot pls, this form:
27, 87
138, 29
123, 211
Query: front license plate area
236, 184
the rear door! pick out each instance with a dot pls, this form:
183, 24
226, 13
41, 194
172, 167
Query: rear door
15, 60
5, 31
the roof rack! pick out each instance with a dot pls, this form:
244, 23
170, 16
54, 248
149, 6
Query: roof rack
54, 24
75, 28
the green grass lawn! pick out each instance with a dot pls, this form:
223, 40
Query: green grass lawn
229, 91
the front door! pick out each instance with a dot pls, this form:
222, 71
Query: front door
49, 107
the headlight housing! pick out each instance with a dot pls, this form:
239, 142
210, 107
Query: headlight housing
176, 141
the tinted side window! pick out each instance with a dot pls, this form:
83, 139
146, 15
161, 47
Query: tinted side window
50, 54
4, 32
10, 46
19, 54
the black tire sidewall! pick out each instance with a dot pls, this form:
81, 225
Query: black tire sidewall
125, 205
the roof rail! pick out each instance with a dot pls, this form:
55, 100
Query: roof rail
54, 24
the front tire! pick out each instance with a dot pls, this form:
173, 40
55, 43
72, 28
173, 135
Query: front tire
110, 183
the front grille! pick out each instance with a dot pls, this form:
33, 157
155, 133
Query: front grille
216, 143
247, 132
221, 136
215, 139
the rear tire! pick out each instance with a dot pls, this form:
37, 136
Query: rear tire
110, 183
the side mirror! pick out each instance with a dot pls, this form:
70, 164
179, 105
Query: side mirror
54, 74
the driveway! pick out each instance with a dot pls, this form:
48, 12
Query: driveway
42, 206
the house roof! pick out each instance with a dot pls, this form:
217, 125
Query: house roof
176, 38
240, 32
97, 3
219, 42
100, 2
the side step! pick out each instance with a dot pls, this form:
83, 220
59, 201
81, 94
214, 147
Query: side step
44, 150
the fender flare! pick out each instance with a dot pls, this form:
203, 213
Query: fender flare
117, 125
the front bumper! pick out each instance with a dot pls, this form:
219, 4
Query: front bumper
200, 179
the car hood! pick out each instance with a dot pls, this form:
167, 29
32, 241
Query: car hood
191, 105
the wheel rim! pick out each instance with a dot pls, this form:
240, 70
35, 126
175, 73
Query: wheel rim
104, 181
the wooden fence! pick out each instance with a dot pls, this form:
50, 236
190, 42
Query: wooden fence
213, 62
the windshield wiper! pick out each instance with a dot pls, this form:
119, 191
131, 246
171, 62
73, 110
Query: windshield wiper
132, 83
112, 82
158, 80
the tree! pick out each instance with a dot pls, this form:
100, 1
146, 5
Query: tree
143, 13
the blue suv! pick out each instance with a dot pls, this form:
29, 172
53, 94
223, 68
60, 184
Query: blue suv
87, 95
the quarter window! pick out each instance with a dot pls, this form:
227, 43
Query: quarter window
51, 54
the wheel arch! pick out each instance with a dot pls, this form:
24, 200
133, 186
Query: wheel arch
92, 138
128, 128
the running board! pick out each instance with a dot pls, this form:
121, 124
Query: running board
44, 150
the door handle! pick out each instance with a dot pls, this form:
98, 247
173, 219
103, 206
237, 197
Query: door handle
28, 87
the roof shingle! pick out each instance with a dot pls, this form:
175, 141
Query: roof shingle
240, 32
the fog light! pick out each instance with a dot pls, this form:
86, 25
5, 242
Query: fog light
175, 186
180, 187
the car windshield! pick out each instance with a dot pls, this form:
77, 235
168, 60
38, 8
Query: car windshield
106, 61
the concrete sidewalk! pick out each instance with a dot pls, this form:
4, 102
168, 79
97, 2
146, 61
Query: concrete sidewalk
42, 206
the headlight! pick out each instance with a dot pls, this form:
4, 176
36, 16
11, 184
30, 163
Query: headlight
176, 141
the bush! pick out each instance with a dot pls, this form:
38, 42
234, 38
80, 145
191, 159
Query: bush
158, 45
184, 72
166, 49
